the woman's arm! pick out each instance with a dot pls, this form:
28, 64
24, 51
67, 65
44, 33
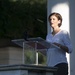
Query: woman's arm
62, 47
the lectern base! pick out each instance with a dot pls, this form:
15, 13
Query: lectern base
27, 70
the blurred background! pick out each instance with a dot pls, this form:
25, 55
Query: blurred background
16, 18
19, 16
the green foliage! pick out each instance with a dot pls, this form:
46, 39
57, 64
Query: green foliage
18, 16
42, 59
30, 57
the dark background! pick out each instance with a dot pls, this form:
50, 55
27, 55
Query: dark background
19, 16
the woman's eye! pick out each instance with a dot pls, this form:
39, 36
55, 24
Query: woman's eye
53, 19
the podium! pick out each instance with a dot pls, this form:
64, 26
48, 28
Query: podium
38, 44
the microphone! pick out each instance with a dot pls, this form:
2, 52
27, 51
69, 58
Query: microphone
26, 36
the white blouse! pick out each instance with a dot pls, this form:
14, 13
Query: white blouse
56, 55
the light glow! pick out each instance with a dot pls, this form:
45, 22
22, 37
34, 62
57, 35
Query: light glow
63, 9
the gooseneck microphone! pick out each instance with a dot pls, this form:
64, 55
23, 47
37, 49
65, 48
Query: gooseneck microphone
25, 36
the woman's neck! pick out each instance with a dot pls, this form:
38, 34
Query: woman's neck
55, 30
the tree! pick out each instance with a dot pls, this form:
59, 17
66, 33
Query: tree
18, 16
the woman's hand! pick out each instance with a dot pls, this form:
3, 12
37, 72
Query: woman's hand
65, 48
57, 44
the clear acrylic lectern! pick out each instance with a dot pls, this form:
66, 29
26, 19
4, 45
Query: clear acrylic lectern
38, 44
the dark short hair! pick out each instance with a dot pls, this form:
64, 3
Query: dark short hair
59, 17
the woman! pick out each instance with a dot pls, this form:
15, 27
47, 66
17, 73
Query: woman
56, 56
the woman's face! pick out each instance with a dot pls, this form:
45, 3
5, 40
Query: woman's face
54, 21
